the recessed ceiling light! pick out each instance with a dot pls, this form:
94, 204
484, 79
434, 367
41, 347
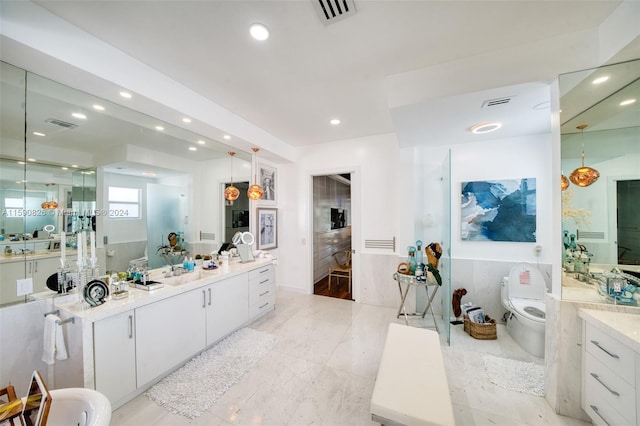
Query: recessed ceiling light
201, 142
627, 102
79, 115
21, 162
125, 94
64, 168
485, 127
259, 32
39, 134
146, 173
75, 166
31, 159
227, 137
98, 107
600, 80
159, 128
186, 120
334, 121
193, 148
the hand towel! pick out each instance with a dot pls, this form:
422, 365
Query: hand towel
53, 342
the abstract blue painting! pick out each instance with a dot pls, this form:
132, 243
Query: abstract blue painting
499, 210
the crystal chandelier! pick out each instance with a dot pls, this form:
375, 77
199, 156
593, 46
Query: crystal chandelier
584, 176
231, 193
255, 191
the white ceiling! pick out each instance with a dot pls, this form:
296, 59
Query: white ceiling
356, 69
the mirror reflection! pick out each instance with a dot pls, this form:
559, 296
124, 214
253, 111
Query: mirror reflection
81, 163
600, 111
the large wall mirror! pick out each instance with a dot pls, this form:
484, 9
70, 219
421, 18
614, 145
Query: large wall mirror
71, 161
600, 112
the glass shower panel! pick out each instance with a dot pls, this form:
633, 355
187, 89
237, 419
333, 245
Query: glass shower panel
164, 210
445, 260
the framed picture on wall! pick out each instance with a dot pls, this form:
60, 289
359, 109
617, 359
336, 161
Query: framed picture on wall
267, 229
267, 178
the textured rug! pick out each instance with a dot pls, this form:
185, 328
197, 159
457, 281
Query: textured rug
525, 377
194, 387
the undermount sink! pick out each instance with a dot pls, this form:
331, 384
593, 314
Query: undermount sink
79, 406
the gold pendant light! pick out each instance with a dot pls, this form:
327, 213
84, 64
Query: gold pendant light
49, 205
564, 182
584, 176
231, 193
255, 191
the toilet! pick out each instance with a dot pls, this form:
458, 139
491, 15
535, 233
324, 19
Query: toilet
522, 294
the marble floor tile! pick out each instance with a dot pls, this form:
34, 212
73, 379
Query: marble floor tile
322, 372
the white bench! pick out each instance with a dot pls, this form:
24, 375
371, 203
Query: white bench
411, 387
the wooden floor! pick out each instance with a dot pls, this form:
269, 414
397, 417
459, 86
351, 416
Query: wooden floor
339, 288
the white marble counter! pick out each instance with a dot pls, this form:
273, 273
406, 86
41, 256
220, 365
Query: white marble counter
38, 254
619, 325
74, 305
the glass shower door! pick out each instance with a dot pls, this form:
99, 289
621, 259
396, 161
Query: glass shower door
445, 260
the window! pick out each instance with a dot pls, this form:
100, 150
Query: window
124, 203
13, 207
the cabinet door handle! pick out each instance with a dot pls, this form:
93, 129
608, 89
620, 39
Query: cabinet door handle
204, 299
264, 270
266, 304
604, 350
265, 281
594, 408
595, 376
35, 267
130, 326
266, 292
30, 264
209, 297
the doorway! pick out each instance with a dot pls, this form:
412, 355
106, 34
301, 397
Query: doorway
628, 222
332, 246
236, 213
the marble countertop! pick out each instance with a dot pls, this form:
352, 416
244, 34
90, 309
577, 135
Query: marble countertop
622, 326
74, 305
38, 254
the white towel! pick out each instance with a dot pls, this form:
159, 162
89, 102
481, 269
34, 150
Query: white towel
53, 346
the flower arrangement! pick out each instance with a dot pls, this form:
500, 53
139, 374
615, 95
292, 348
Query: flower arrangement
579, 215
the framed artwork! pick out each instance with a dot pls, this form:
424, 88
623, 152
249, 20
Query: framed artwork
267, 229
267, 178
499, 210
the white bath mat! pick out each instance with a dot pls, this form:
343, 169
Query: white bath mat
194, 387
525, 377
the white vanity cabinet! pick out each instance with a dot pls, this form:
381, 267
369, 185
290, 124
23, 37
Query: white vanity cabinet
610, 371
227, 308
17, 268
262, 291
168, 332
115, 355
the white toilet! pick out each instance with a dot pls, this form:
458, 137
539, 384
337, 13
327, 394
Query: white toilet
522, 294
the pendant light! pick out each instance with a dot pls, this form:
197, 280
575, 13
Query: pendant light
584, 176
231, 193
49, 205
564, 182
255, 191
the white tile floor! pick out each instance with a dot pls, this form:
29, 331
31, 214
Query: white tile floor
323, 369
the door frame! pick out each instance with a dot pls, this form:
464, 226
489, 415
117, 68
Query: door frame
356, 224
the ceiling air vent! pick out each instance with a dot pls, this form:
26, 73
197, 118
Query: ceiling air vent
61, 123
499, 101
334, 10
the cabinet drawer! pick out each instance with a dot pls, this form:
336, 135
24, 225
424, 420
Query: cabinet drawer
261, 284
613, 354
260, 272
267, 305
601, 414
609, 388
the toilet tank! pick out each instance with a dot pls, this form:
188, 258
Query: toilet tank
526, 282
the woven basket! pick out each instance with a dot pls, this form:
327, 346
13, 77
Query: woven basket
486, 331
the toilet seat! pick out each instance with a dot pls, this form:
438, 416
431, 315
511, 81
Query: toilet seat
520, 305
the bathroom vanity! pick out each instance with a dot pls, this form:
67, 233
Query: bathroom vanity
611, 366
130, 344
